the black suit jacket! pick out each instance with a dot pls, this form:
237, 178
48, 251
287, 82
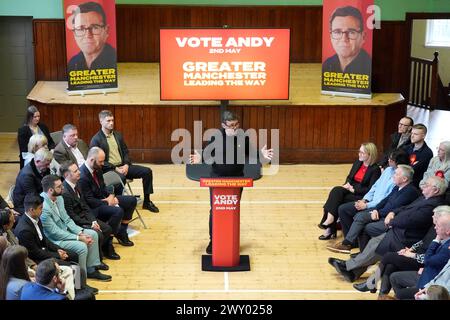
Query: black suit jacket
397, 198
99, 140
38, 250
410, 224
28, 181
24, 134
76, 207
92, 192
372, 174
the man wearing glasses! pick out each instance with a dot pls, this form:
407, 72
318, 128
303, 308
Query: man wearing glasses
90, 30
347, 37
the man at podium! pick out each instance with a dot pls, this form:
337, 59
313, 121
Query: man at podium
227, 151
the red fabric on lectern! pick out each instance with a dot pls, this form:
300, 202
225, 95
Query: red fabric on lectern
226, 219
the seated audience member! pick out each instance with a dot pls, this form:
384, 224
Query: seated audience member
399, 140
49, 283
419, 152
117, 211
439, 165
435, 292
362, 176
70, 148
13, 272
31, 126
404, 193
407, 259
442, 279
80, 212
116, 157
407, 283
406, 226
38, 141
30, 177
62, 231
379, 191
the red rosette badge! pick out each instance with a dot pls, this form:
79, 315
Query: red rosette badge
439, 174
412, 158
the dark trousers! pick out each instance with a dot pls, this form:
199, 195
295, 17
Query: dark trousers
128, 204
393, 262
138, 172
210, 210
404, 284
104, 236
346, 213
110, 215
337, 197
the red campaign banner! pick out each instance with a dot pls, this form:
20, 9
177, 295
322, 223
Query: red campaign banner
347, 40
91, 45
224, 64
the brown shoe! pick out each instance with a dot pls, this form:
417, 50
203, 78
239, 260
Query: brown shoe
385, 297
340, 247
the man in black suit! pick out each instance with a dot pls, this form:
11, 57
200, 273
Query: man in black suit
79, 211
406, 226
399, 139
70, 148
116, 151
116, 210
30, 177
31, 235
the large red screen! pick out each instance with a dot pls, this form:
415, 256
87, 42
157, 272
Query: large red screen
224, 64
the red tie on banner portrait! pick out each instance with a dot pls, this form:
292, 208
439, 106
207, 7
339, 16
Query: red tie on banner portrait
347, 48
91, 46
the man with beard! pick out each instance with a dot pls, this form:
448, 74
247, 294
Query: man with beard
117, 211
228, 139
62, 231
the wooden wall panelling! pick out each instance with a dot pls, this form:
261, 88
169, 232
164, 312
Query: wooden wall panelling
49, 49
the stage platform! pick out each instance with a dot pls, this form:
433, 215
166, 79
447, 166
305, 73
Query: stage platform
139, 85
313, 128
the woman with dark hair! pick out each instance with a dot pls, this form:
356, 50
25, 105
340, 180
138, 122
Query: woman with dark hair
31, 126
13, 272
360, 179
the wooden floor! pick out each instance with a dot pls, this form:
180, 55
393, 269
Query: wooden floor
279, 231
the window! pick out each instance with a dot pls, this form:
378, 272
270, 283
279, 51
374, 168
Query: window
438, 33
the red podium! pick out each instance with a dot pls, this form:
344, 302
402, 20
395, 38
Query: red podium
226, 194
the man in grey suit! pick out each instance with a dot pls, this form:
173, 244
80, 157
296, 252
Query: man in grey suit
70, 148
62, 231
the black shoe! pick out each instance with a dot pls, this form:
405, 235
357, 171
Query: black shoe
332, 229
99, 276
342, 270
123, 240
331, 261
209, 248
92, 289
102, 266
84, 294
111, 256
363, 287
150, 206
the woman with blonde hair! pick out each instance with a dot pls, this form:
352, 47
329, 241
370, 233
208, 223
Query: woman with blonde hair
440, 164
36, 142
360, 179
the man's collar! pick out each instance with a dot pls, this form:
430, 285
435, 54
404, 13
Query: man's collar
72, 185
68, 146
35, 221
107, 134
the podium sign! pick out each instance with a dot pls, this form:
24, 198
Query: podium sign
226, 193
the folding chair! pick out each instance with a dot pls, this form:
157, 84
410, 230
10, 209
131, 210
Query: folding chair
112, 178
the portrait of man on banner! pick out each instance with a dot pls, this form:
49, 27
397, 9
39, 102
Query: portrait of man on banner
89, 47
349, 68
